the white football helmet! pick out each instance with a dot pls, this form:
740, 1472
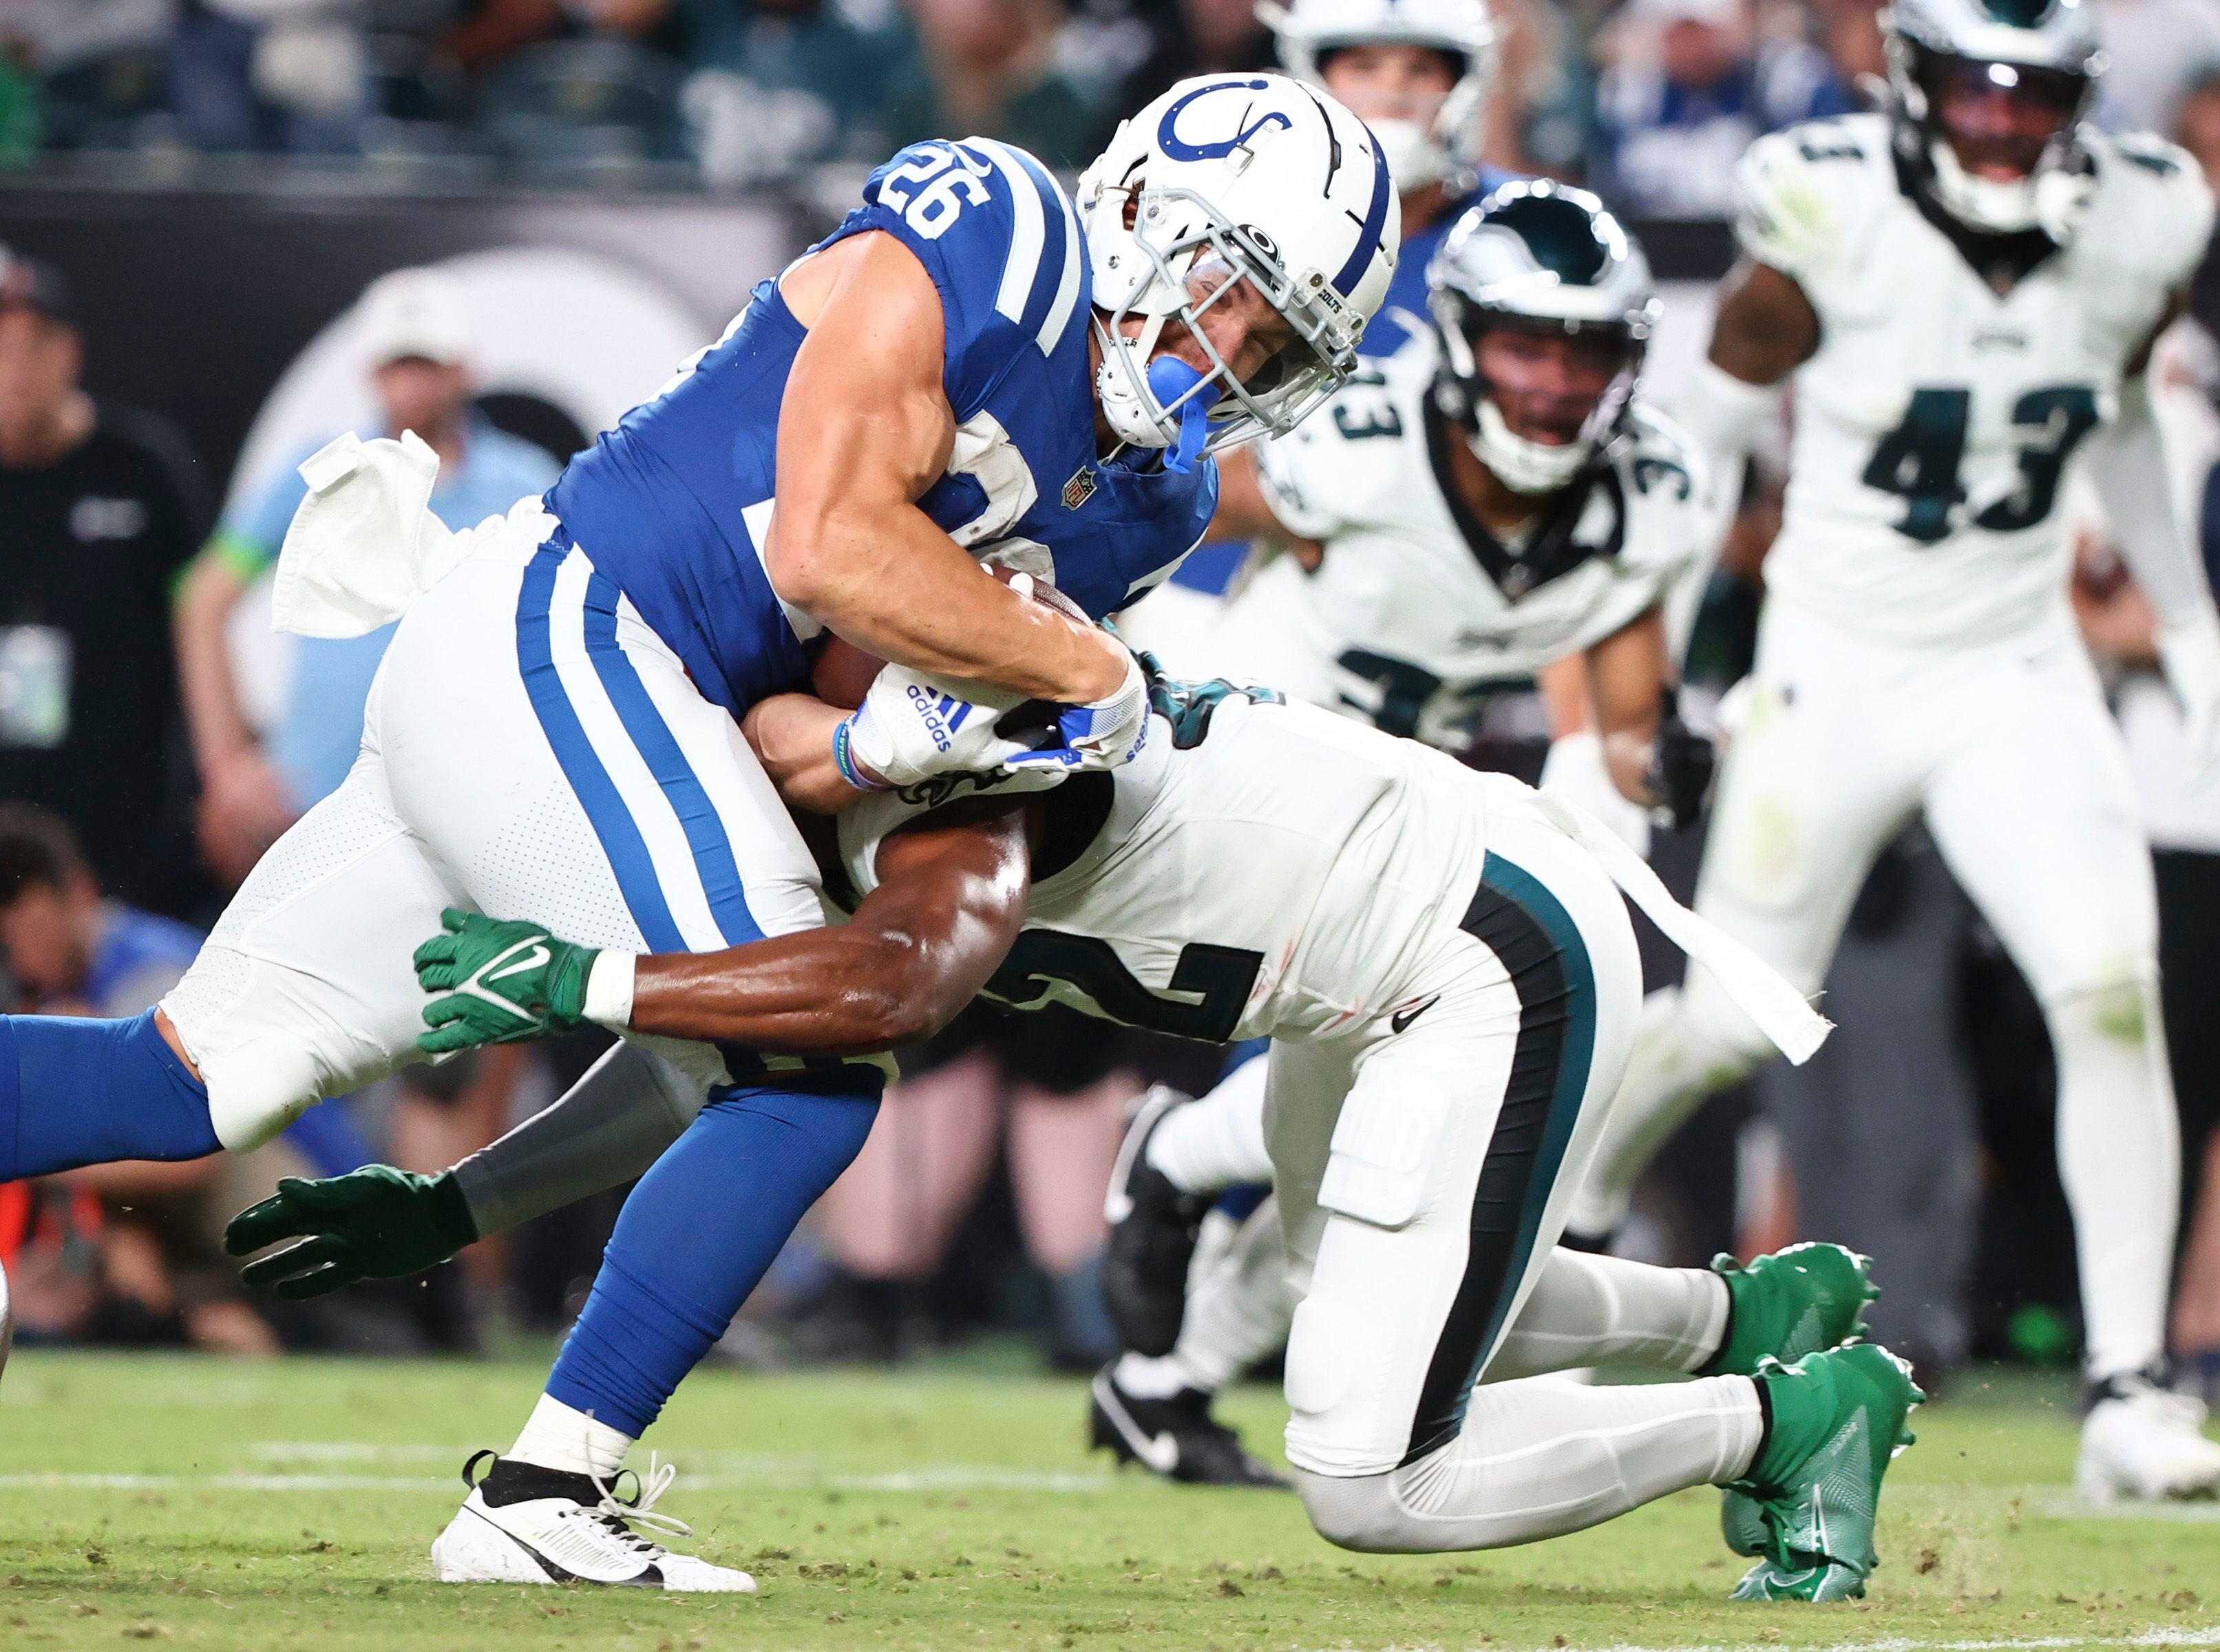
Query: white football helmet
1419, 152
1540, 257
1227, 178
2049, 46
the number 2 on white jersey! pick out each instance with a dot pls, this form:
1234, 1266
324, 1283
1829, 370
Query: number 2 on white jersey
935, 209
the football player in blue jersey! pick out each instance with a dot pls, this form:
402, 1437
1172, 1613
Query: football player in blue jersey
973, 368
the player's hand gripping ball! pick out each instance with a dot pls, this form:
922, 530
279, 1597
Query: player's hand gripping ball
499, 982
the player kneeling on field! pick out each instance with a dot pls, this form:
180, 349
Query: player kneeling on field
1259, 870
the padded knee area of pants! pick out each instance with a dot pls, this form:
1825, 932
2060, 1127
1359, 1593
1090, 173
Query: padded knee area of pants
1364, 1513
2122, 1011
257, 1089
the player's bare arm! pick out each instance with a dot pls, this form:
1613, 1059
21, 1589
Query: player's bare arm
910, 958
1766, 327
951, 898
864, 429
1765, 330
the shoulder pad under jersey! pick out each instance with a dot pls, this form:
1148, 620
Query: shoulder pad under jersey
1001, 241
2153, 209
1802, 193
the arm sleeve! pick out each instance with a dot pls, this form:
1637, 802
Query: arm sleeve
2127, 463
608, 1128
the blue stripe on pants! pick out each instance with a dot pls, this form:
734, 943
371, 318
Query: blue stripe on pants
596, 793
705, 832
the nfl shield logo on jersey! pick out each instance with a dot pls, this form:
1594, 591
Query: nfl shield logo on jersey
1080, 488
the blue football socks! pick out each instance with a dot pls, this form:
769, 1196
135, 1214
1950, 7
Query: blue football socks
76, 1091
697, 1233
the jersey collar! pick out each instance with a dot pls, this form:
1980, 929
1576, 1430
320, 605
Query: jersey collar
1552, 551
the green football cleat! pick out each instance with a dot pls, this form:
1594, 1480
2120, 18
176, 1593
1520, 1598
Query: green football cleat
1837, 1419
1792, 1303
1766, 1581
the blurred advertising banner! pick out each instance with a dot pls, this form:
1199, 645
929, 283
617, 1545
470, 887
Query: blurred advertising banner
230, 314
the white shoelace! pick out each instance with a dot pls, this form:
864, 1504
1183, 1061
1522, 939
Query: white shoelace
652, 1485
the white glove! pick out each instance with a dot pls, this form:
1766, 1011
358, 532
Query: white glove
1102, 734
2190, 652
911, 725
1575, 770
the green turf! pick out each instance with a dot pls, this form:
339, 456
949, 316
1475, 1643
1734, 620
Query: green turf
287, 1508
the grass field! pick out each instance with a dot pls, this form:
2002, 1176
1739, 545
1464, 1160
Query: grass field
287, 1508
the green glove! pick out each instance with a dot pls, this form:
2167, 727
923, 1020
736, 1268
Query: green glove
502, 981
374, 1223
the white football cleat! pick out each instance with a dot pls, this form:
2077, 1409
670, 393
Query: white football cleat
2143, 1442
523, 1523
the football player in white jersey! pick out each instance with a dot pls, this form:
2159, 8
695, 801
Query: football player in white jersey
1493, 498
1963, 291
1448, 977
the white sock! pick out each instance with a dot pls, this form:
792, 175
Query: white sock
1678, 1058
1239, 1306
1543, 1456
1217, 1142
1157, 1379
1587, 1310
2119, 1156
558, 1437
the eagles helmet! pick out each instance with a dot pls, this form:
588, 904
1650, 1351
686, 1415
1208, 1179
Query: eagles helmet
1227, 178
1543, 258
2045, 50
1419, 152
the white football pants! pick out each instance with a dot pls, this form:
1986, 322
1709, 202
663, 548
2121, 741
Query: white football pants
1423, 1176
530, 750
2008, 752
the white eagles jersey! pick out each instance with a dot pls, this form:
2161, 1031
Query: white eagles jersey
1933, 424
1417, 609
1260, 869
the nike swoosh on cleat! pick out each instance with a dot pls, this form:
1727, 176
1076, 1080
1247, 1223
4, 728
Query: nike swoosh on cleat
1159, 1451
1403, 1017
649, 1578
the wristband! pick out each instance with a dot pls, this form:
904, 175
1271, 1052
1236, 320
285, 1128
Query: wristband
609, 990
844, 761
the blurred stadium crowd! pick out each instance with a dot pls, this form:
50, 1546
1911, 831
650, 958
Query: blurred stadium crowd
143, 772
1647, 100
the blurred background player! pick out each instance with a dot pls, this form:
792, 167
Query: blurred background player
414, 332
1966, 291
1492, 500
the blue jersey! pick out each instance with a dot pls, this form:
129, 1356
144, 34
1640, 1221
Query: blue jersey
1407, 289
675, 504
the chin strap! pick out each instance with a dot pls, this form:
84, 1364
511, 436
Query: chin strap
1524, 466
1170, 380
